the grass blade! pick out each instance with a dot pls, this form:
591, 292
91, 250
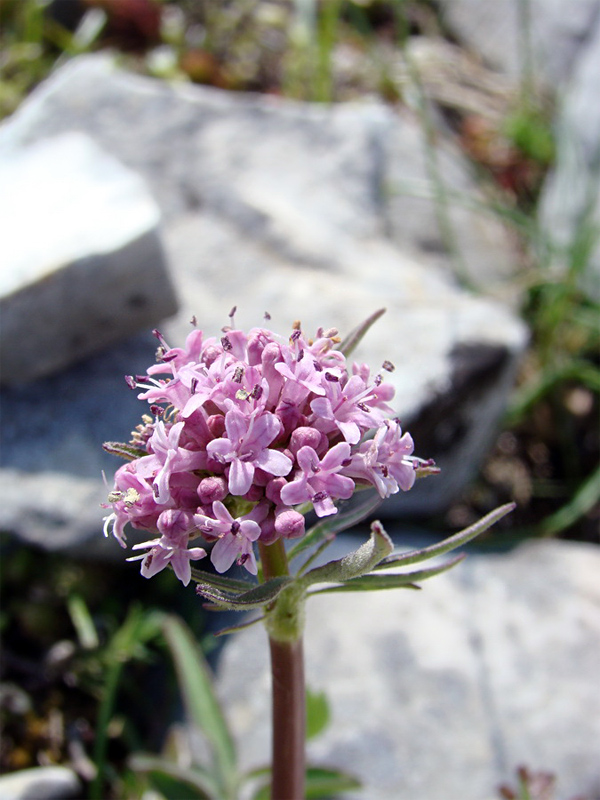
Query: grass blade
201, 704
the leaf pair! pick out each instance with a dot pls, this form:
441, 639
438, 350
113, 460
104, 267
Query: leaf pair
357, 571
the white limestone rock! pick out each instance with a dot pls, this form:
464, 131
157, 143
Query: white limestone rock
496, 29
40, 783
82, 263
442, 694
570, 200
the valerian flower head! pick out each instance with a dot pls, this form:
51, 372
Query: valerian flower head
248, 432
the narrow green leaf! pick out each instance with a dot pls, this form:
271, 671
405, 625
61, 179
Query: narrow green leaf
446, 545
220, 581
355, 336
235, 628
341, 521
584, 500
354, 564
321, 784
125, 644
196, 778
317, 713
256, 597
82, 622
532, 393
127, 451
174, 788
201, 704
374, 583
363, 585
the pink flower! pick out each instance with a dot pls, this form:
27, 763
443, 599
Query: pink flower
165, 445
319, 481
385, 461
245, 448
345, 406
236, 537
171, 548
256, 422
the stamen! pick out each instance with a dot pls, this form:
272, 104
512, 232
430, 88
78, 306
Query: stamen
363, 407
130, 381
238, 375
319, 497
332, 378
388, 366
266, 316
226, 344
235, 526
160, 338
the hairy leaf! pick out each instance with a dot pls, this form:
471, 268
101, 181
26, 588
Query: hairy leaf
451, 543
354, 564
127, 451
256, 597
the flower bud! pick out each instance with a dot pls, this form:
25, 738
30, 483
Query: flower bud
268, 534
211, 489
289, 523
273, 490
304, 436
216, 425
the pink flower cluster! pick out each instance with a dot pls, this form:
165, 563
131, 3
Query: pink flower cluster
249, 432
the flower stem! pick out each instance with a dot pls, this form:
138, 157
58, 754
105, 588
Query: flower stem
288, 715
288, 689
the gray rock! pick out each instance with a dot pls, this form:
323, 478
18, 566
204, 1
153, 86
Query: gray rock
442, 694
497, 31
570, 202
40, 783
281, 207
295, 177
82, 260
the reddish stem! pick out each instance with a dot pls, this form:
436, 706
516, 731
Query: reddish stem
289, 720
288, 689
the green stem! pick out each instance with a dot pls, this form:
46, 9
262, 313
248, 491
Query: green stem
284, 625
273, 559
104, 716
